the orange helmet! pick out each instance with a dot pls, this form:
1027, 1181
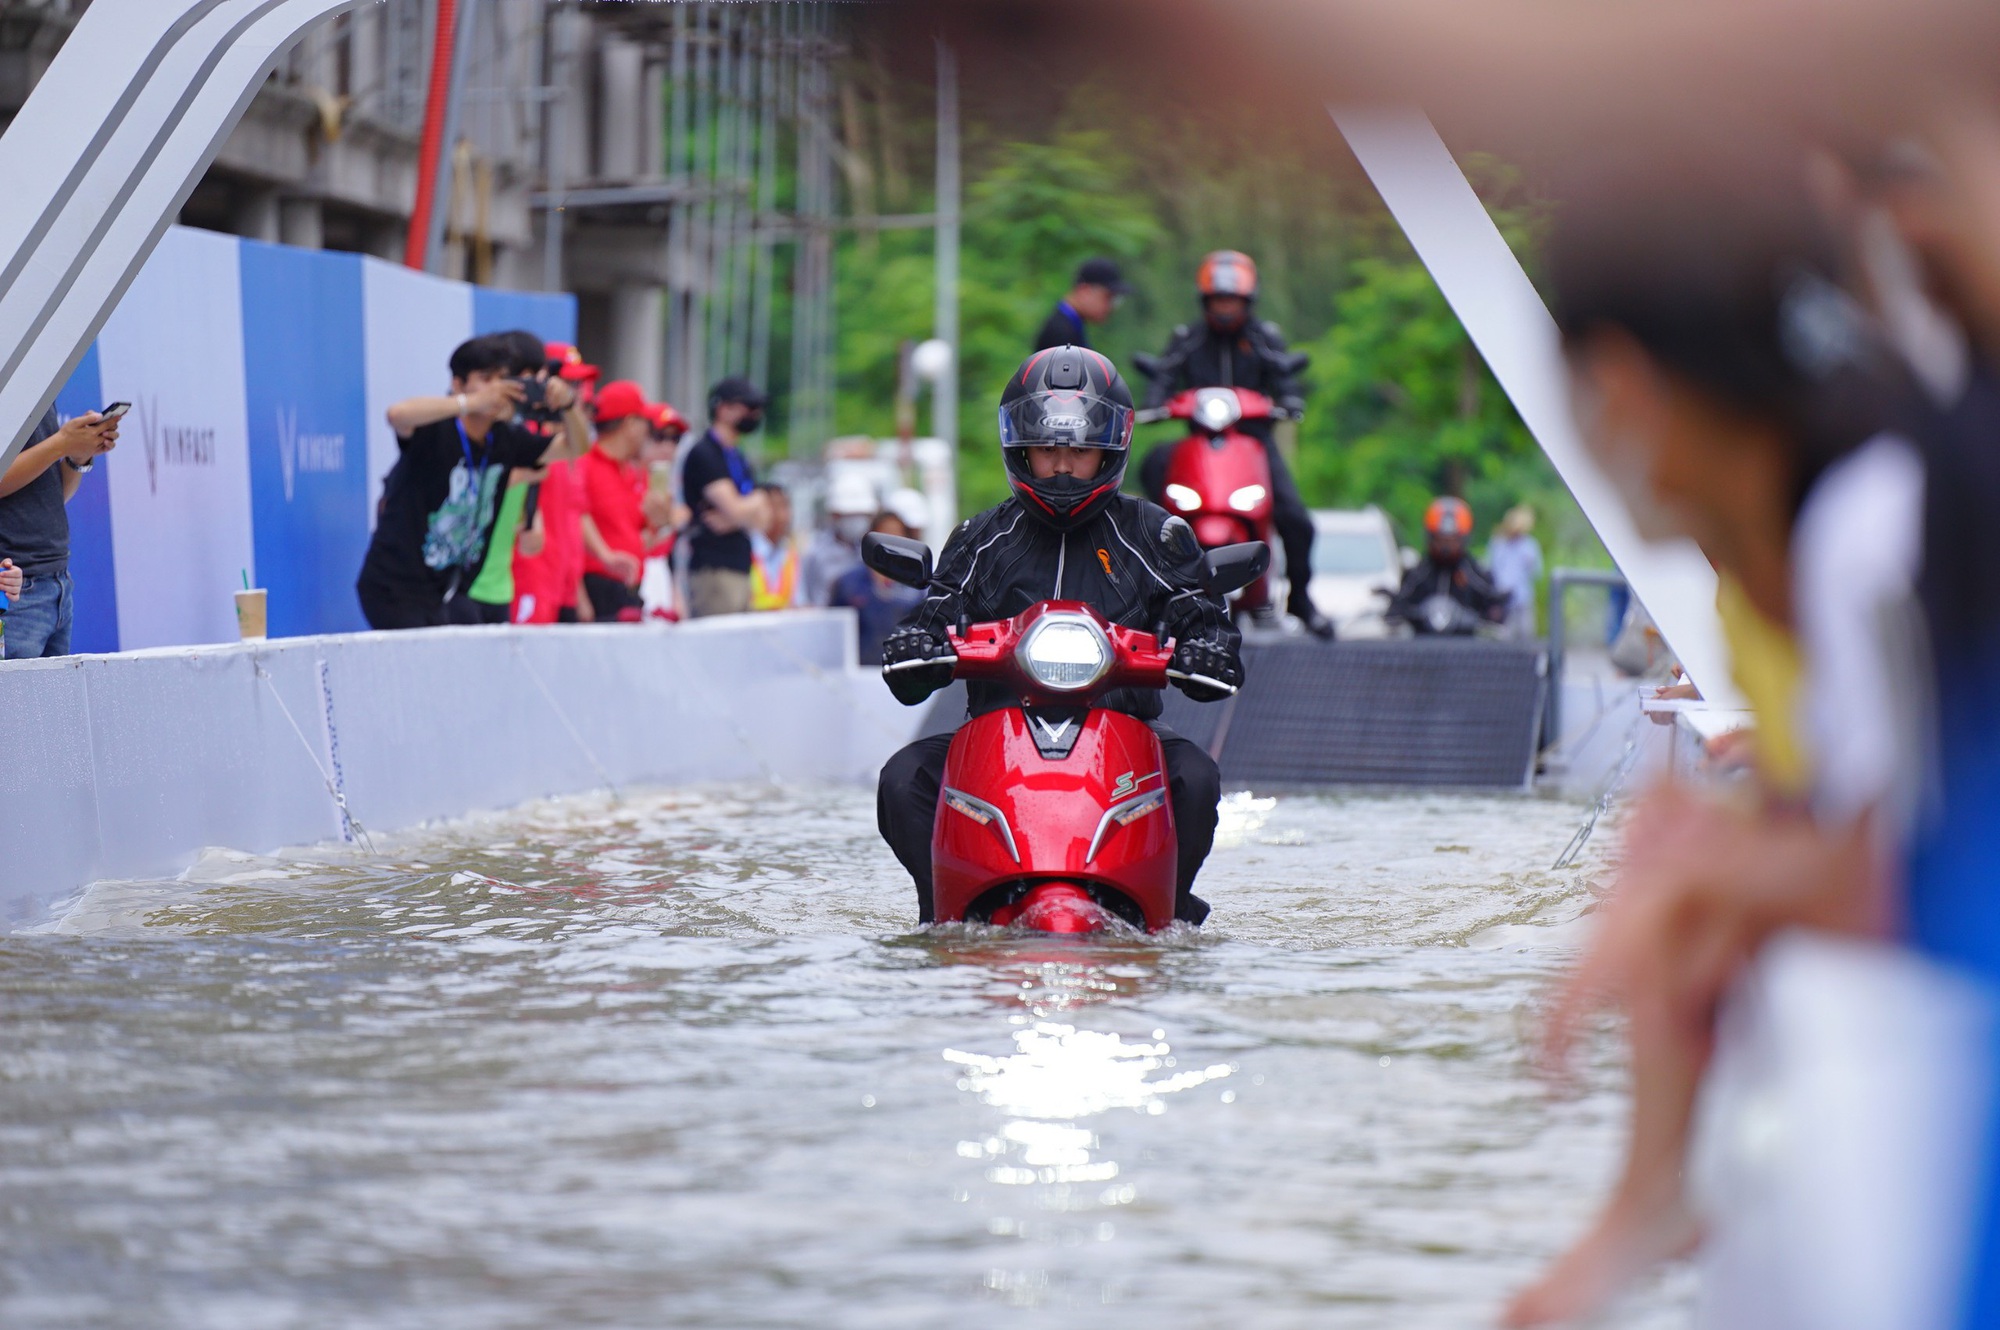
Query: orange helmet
1227, 272
1448, 517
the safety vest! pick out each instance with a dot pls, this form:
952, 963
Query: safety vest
769, 593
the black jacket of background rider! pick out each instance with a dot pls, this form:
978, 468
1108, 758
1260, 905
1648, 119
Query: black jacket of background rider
1131, 562
1463, 580
1197, 356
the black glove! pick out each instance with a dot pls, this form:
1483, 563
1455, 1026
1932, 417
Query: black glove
912, 683
1212, 673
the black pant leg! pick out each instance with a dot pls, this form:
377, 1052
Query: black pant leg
1194, 784
906, 803
394, 607
1153, 472
1294, 523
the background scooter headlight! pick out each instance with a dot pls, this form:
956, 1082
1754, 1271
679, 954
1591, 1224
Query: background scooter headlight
1217, 409
1065, 653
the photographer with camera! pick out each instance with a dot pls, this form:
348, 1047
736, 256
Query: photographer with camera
438, 502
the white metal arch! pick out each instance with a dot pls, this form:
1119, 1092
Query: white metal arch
112, 140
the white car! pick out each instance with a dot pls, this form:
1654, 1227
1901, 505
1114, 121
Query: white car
1354, 554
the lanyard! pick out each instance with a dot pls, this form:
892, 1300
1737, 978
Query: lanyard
1075, 319
738, 471
465, 443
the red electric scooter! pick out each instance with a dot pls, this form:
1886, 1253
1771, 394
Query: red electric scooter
1218, 477
1054, 814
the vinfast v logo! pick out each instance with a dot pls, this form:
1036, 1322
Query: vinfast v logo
316, 453
171, 445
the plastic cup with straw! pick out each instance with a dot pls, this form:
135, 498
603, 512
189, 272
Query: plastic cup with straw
251, 605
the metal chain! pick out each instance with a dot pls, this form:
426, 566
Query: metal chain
332, 788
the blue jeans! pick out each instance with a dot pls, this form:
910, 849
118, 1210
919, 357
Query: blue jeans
38, 623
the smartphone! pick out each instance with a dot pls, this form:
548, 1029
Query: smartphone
113, 412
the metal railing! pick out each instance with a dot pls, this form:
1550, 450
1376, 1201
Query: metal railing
1560, 581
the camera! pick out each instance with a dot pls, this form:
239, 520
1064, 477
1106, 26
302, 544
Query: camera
535, 401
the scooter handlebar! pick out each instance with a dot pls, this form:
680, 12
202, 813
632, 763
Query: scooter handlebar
988, 651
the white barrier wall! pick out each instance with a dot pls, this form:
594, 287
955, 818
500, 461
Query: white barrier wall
127, 766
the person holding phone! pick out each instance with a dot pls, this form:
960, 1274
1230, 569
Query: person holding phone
34, 526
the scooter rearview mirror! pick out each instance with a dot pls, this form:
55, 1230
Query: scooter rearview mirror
1233, 567
898, 558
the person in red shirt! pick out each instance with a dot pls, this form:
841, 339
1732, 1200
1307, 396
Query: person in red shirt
548, 559
614, 496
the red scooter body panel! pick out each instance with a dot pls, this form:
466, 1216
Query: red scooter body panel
1098, 817
1013, 824
1216, 466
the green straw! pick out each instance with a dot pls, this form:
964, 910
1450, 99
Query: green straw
246, 579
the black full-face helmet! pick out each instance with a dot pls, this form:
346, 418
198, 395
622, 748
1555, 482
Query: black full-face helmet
1067, 396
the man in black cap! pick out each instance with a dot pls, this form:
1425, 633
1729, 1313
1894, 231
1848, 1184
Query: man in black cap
1098, 288
721, 492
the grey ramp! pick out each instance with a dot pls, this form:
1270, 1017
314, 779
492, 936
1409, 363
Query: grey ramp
1418, 711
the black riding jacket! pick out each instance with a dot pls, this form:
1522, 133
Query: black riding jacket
1199, 357
1131, 562
1464, 581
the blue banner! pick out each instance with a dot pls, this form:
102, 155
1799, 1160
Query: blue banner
305, 393
95, 626
549, 317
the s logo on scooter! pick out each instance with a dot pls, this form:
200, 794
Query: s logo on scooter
1126, 785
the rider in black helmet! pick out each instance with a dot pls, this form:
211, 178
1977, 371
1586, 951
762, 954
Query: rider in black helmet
1068, 534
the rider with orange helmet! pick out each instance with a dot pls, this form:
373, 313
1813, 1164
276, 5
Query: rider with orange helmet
1230, 348
1447, 568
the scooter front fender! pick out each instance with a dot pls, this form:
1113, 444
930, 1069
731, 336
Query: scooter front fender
1100, 816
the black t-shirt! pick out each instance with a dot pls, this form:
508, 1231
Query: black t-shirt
34, 524
708, 461
1063, 328
421, 483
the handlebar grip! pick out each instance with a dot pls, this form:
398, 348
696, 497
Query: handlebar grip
920, 663
1178, 676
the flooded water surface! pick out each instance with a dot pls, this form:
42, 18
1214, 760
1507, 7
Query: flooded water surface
684, 1061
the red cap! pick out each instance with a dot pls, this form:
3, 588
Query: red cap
569, 362
621, 398
666, 420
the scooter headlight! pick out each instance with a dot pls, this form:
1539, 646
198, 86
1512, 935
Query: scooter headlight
1065, 652
1217, 409
1246, 499
1183, 498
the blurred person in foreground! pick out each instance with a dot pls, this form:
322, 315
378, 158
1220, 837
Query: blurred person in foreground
1092, 298
774, 569
1232, 348
35, 491
836, 547
613, 524
720, 490
1737, 395
455, 452
1515, 560
877, 602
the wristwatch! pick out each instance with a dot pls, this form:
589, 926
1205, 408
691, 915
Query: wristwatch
78, 467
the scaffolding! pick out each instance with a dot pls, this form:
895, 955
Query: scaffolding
730, 177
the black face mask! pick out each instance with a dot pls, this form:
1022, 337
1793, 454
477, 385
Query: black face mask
751, 423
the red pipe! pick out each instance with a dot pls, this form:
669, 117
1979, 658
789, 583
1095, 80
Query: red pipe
416, 247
